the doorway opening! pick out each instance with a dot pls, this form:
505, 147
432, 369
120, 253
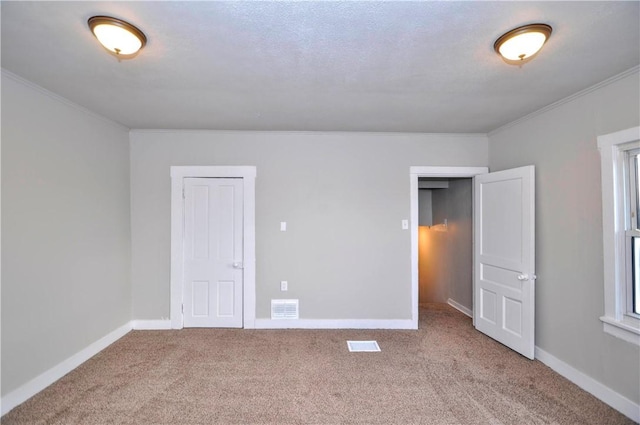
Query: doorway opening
433, 174
445, 237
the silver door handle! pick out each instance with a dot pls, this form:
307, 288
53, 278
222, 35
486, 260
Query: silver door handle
527, 277
238, 266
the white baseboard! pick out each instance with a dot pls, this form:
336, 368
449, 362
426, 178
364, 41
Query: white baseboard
333, 324
42, 381
151, 325
590, 385
462, 309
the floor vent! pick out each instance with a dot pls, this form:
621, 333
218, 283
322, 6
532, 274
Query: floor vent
284, 309
363, 346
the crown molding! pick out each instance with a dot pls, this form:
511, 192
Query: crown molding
570, 98
63, 100
314, 133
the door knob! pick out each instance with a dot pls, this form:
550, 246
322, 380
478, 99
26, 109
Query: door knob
523, 277
238, 266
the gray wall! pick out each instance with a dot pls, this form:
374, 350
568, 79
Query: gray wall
343, 195
561, 143
65, 231
436, 260
446, 258
425, 211
460, 231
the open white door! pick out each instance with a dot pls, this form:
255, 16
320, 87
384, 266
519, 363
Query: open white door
213, 223
504, 257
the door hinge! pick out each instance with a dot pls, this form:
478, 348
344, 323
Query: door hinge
182, 308
182, 192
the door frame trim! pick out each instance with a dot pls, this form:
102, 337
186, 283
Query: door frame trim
248, 176
414, 174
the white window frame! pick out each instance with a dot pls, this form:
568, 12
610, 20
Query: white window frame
617, 319
633, 228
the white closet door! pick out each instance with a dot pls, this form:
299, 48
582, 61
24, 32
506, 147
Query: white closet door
213, 252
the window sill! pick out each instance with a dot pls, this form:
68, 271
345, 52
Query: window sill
627, 329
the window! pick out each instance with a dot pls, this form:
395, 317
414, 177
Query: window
620, 156
632, 232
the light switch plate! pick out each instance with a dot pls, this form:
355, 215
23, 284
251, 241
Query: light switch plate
405, 224
284, 285
283, 226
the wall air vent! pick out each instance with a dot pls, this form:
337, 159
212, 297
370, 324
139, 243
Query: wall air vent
284, 309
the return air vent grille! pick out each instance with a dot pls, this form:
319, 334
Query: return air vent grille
284, 309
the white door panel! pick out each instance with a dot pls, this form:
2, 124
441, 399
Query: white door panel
504, 257
212, 246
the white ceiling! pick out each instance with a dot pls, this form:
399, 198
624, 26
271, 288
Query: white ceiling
343, 66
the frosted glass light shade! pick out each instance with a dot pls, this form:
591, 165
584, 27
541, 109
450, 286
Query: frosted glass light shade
117, 36
520, 44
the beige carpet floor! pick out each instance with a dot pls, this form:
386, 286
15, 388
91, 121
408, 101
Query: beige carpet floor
445, 373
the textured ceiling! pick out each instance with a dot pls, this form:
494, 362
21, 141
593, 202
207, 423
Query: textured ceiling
344, 66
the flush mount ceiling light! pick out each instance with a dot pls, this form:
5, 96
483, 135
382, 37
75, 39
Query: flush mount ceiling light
521, 44
117, 36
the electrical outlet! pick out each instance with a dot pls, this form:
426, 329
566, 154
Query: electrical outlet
284, 286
